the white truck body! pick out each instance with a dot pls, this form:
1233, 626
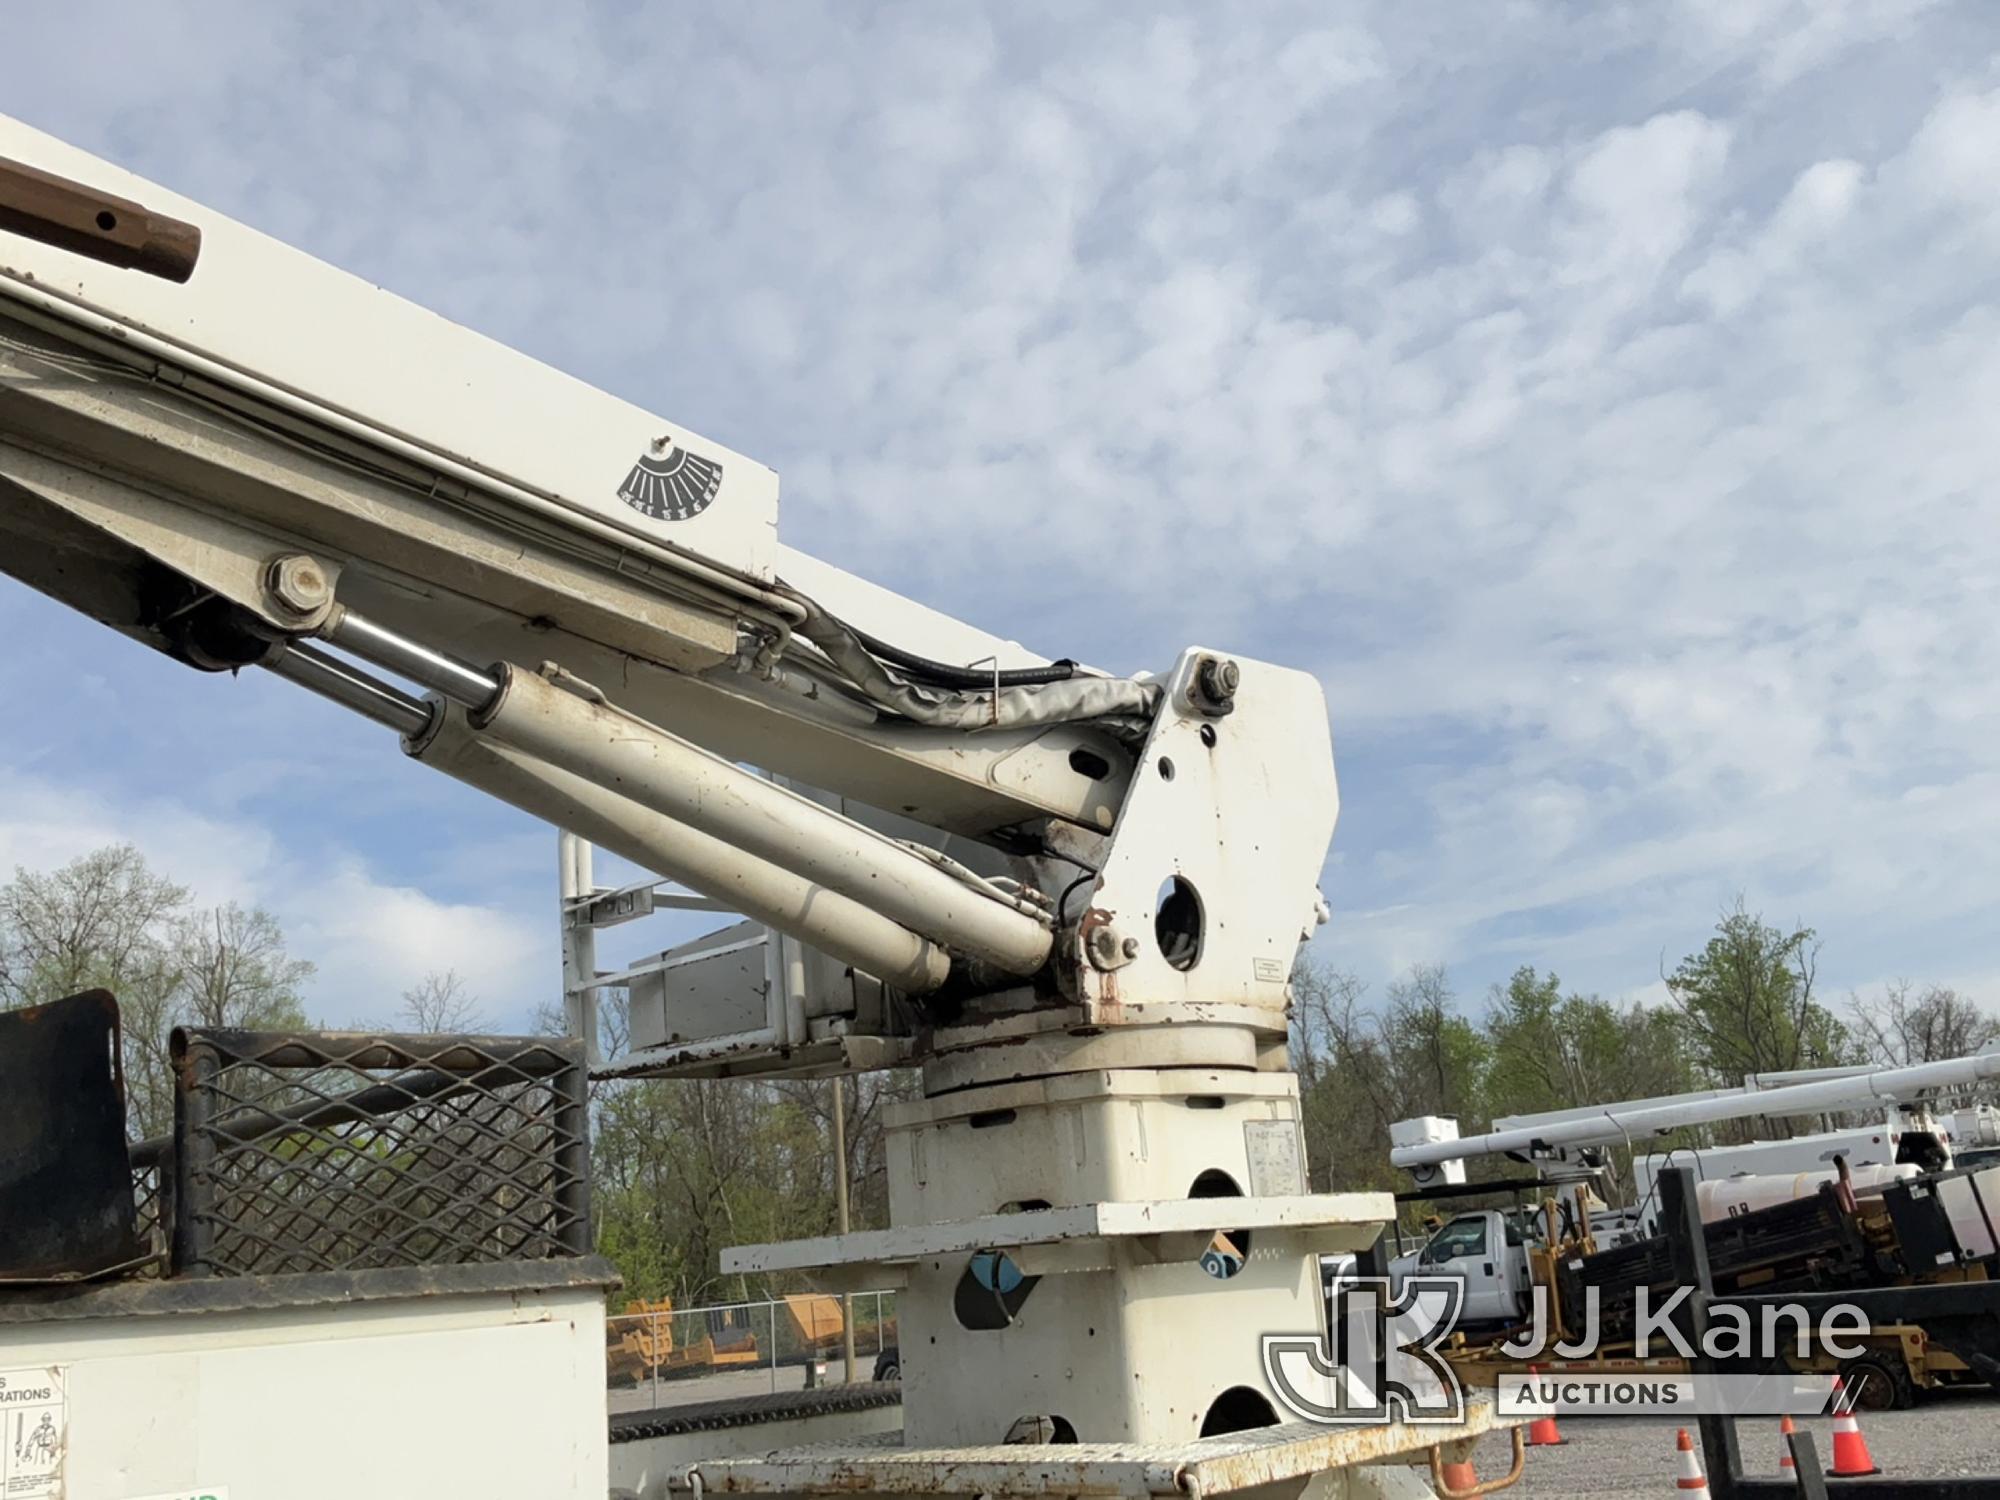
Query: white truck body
1735, 1179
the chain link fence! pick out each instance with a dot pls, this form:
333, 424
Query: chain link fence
660, 1356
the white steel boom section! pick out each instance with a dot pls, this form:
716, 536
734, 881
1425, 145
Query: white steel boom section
1612, 1124
1753, 1084
464, 495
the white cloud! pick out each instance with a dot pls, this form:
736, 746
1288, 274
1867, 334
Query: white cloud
45, 823
369, 939
1810, 216
1637, 190
1599, 403
372, 940
1787, 39
1950, 160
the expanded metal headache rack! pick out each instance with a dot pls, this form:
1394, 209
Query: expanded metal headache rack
333, 1151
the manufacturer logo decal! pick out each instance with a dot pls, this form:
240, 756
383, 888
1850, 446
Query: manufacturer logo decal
670, 483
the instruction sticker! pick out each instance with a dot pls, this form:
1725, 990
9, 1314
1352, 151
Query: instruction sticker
35, 1409
1277, 1170
199, 1492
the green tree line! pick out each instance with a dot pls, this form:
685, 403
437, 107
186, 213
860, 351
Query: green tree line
1747, 1001
683, 1168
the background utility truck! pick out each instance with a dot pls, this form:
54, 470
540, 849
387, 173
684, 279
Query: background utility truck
1880, 1206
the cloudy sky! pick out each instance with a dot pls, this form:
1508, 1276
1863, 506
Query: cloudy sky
1600, 399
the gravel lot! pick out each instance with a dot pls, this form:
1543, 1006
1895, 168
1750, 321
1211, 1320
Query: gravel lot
1943, 1436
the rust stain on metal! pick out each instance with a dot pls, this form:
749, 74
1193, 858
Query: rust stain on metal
1105, 1007
1094, 918
1463, 1452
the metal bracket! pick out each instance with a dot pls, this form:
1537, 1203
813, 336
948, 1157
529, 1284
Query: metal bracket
631, 902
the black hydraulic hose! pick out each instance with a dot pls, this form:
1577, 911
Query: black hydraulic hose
944, 674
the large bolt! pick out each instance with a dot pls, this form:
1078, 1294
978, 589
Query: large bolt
1215, 683
1106, 948
298, 584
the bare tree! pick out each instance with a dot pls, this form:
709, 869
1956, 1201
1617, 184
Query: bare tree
867, 1166
107, 920
1345, 1102
442, 1001
100, 920
1907, 1025
235, 971
1437, 1058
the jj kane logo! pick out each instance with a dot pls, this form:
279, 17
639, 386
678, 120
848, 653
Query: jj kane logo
1381, 1357
671, 484
1377, 1359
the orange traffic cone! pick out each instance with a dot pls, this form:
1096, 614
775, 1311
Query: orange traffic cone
1786, 1468
1543, 1432
1691, 1477
1460, 1478
1850, 1449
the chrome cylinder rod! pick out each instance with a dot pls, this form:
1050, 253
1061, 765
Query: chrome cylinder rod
457, 680
351, 687
440, 737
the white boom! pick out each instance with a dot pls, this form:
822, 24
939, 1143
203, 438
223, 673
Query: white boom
1611, 1124
1073, 899
269, 458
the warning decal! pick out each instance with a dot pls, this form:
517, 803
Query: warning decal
36, 1416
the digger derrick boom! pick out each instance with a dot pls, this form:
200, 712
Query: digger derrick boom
270, 458
1072, 899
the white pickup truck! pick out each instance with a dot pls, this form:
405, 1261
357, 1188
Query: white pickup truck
1487, 1250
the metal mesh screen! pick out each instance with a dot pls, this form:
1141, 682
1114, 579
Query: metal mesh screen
152, 1193
339, 1152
